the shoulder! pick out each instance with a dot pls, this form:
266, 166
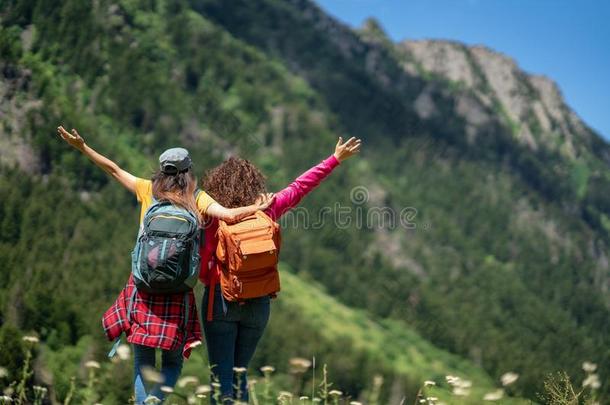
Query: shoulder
143, 184
204, 200
143, 188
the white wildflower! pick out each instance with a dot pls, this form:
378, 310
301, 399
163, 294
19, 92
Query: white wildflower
92, 364
284, 395
31, 339
267, 369
457, 382
592, 381
299, 365
303, 398
452, 380
428, 382
123, 351
464, 384
355, 403
150, 374
494, 395
509, 378
589, 367
431, 399
187, 380
203, 389
167, 389
240, 370
460, 391
5, 399
335, 393
152, 400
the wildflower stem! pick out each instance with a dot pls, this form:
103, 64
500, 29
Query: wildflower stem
252, 391
70, 392
313, 380
376, 391
25, 376
324, 385
238, 387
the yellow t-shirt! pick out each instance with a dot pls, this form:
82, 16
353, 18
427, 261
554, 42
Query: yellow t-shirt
144, 195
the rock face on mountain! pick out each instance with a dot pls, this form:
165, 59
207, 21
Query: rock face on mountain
15, 105
532, 105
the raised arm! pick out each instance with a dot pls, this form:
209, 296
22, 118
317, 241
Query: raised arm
292, 195
216, 210
127, 179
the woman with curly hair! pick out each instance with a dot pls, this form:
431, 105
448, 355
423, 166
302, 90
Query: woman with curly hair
233, 328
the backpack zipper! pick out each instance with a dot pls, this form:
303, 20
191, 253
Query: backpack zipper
169, 217
163, 251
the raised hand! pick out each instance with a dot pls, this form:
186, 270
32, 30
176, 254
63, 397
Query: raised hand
264, 201
348, 149
73, 139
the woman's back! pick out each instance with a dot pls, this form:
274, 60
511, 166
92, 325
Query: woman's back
284, 200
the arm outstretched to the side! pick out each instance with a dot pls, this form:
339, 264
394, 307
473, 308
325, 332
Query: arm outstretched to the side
127, 179
292, 195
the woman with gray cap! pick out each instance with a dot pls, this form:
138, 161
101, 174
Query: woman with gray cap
158, 321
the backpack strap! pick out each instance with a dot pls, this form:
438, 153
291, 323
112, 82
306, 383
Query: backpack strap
187, 298
211, 293
132, 299
224, 304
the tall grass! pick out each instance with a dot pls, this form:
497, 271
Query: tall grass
300, 387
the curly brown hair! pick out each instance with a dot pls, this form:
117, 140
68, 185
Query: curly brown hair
234, 183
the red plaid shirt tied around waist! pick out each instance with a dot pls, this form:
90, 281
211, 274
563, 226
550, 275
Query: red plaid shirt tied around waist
154, 320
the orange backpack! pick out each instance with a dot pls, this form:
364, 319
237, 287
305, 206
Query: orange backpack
248, 255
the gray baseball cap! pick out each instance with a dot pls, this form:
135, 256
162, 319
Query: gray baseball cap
175, 160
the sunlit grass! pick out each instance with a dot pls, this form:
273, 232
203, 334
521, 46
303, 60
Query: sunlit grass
453, 389
444, 378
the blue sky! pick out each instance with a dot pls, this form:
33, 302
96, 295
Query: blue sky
566, 40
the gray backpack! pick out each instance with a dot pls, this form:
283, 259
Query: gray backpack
165, 259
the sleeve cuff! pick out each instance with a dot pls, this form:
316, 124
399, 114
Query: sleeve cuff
188, 348
332, 161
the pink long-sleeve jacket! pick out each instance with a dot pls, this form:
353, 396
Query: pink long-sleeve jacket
284, 200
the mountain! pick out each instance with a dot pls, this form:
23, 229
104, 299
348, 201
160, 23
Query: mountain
519, 208
499, 263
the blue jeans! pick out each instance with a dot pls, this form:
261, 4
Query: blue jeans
231, 339
171, 366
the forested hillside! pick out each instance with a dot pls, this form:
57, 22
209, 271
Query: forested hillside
502, 265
